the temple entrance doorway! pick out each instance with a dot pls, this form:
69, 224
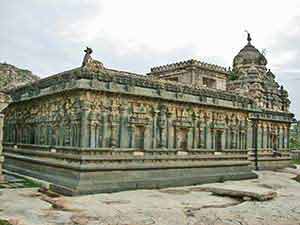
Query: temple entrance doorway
218, 140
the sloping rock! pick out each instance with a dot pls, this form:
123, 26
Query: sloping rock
257, 194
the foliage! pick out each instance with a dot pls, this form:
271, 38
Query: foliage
296, 161
4, 222
27, 183
294, 142
232, 76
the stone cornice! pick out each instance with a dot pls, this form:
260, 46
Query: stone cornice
61, 81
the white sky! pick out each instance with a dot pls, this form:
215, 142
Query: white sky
49, 36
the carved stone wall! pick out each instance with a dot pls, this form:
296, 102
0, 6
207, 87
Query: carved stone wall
104, 120
49, 121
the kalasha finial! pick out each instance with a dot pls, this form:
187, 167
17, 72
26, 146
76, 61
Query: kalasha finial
249, 39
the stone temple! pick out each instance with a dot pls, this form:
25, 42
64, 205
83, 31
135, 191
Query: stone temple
94, 129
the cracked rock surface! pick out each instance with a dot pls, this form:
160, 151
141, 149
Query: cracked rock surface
185, 205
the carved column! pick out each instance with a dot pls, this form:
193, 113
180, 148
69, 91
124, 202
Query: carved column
147, 133
162, 128
232, 139
84, 133
226, 135
210, 137
113, 136
288, 137
124, 137
154, 129
1, 147
200, 135
170, 131
205, 136
194, 134
132, 135
259, 135
223, 139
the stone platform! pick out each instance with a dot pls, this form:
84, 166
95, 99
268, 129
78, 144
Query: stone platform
76, 171
267, 160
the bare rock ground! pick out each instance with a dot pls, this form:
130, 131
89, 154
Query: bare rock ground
174, 206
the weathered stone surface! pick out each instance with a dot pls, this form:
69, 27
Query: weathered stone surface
144, 207
254, 194
12, 77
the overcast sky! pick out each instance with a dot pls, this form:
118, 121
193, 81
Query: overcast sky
49, 36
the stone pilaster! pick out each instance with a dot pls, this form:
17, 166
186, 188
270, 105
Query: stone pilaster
132, 135
84, 132
288, 138
194, 134
147, 133
154, 129
105, 133
1, 147
189, 138
259, 135
170, 131
223, 138
124, 137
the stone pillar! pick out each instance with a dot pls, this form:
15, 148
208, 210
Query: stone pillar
84, 132
1, 147
205, 136
232, 139
189, 138
92, 134
250, 135
226, 135
279, 139
194, 134
4, 101
170, 132
147, 139
162, 128
113, 134
208, 137
201, 137
262, 136
288, 137
259, 133
105, 129
162, 137
132, 135
124, 137
154, 129
268, 137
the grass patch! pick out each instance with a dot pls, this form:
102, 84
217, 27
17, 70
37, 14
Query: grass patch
21, 183
30, 183
4, 222
296, 161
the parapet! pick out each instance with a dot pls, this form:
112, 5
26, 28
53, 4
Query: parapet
185, 64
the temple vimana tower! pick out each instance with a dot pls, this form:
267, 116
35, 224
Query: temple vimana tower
95, 129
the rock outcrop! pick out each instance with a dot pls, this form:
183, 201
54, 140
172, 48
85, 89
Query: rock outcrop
11, 76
